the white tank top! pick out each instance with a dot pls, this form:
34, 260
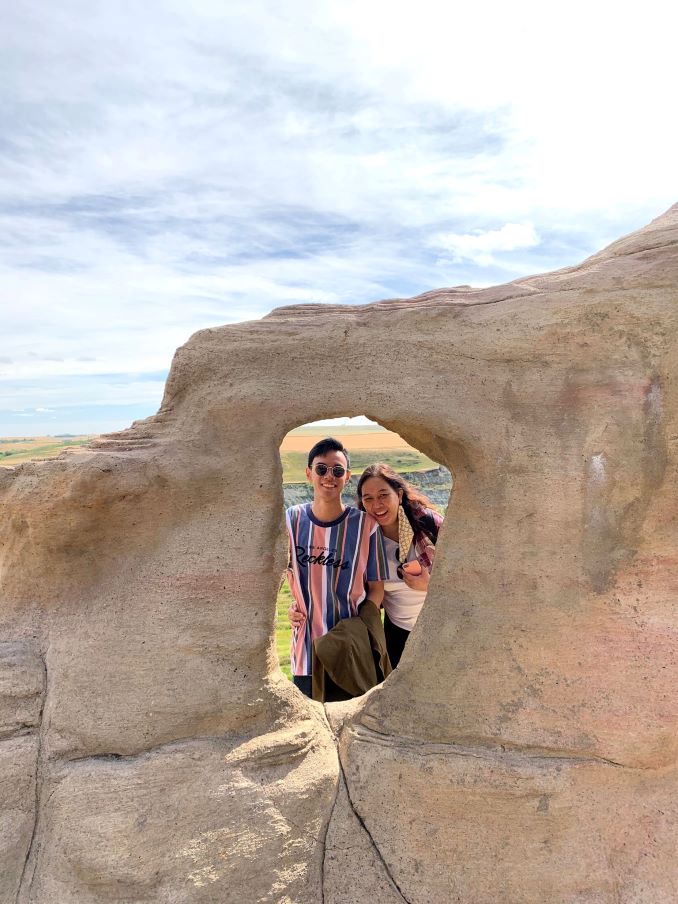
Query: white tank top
401, 603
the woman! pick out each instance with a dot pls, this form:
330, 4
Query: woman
410, 528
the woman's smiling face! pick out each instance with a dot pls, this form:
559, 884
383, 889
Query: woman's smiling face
381, 500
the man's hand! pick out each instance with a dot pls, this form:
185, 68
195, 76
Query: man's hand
296, 617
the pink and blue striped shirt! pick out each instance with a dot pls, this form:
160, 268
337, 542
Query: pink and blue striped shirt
330, 563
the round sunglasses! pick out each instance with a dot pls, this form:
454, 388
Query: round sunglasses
321, 469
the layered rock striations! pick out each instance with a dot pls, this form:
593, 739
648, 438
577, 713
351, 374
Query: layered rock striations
526, 748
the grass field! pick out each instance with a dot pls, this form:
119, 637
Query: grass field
294, 463
14, 450
283, 630
365, 445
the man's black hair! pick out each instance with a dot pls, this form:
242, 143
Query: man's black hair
329, 444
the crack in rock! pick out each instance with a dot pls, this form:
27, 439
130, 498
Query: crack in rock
343, 780
31, 851
373, 843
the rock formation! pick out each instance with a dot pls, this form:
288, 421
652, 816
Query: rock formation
524, 752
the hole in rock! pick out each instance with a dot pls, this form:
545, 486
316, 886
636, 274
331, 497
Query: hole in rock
361, 524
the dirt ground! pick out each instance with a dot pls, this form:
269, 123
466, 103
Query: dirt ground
354, 439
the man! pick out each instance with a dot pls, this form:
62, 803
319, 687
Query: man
335, 551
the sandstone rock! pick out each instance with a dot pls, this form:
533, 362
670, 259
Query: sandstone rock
526, 748
354, 869
202, 821
18, 765
22, 686
21, 701
482, 825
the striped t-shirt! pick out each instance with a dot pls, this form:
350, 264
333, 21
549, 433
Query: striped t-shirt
329, 564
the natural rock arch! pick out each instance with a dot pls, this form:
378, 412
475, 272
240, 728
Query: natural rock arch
525, 750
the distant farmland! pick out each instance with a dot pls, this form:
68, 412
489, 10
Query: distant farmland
15, 450
366, 444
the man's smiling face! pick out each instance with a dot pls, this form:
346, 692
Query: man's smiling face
328, 486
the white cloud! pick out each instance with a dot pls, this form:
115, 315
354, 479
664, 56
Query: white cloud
190, 166
69, 392
480, 247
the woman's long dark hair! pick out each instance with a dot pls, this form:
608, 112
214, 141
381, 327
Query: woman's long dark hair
414, 502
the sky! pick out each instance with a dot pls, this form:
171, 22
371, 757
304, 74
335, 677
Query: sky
167, 167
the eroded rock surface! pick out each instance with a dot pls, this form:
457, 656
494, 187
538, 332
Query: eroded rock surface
22, 689
525, 750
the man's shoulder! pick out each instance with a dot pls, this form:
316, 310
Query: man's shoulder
360, 516
299, 507
295, 512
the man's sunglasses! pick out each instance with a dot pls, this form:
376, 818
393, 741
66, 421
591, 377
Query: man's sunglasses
321, 469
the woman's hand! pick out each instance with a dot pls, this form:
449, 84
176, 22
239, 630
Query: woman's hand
296, 617
417, 581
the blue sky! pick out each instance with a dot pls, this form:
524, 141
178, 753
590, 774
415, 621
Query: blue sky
169, 166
